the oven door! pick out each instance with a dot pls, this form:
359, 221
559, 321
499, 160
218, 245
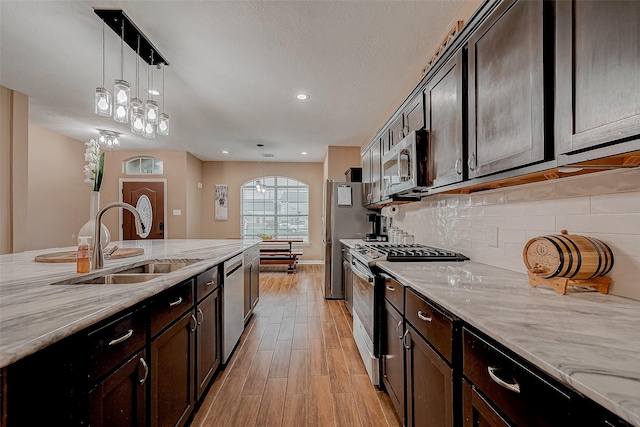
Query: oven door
364, 301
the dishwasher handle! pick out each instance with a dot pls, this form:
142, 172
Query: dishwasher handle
233, 268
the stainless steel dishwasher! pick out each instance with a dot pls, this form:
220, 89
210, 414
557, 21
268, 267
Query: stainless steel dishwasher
232, 305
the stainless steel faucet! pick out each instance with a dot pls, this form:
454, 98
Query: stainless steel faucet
98, 256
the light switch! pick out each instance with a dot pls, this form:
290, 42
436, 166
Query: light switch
177, 212
199, 185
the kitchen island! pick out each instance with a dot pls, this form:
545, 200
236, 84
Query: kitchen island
35, 312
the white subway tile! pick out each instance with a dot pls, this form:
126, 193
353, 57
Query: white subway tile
459, 222
614, 224
513, 250
621, 244
540, 222
475, 211
616, 203
472, 233
574, 205
511, 236
485, 221
625, 277
507, 209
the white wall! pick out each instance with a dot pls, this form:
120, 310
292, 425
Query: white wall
604, 205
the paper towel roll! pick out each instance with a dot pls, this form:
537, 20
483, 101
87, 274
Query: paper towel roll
389, 211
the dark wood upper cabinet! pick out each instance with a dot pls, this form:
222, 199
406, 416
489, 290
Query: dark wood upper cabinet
597, 74
376, 194
367, 195
396, 131
443, 98
385, 143
506, 89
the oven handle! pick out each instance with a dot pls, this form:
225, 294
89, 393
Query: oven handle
361, 274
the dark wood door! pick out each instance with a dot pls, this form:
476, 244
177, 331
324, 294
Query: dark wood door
208, 337
172, 373
429, 384
443, 110
396, 131
393, 357
506, 89
598, 82
477, 411
151, 208
414, 114
120, 399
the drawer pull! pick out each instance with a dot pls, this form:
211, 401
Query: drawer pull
423, 317
209, 283
404, 340
146, 371
195, 323
399, 325
176, 302
514, 386
125, 337
200, 315
391, 288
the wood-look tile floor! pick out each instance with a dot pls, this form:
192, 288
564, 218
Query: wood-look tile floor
296, 364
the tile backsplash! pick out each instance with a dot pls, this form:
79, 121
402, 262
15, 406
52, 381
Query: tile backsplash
603, 205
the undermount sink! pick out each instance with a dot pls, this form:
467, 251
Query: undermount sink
137, 274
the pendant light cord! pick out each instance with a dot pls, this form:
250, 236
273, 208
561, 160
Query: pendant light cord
151, 69
122, 50
138, 69
102, 53
163, 88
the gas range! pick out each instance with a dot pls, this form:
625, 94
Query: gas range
371, 253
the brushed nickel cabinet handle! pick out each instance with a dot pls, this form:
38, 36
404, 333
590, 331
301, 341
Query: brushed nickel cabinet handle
195, 323
201, 315
146, 370
458, 166
209, 283
391, 288
404, 340
176, 302
423, 317
472, 161
513, 386
125, 337
398, 326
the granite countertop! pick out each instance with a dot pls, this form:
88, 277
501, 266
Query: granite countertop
34, 313
588, 341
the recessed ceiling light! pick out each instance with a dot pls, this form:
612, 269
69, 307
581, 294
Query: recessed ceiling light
304, 153
302, 96
225, 152
154, 92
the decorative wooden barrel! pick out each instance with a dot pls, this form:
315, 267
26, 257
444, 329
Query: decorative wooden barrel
567, 255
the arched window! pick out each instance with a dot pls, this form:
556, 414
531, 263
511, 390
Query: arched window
143, 166
282, 211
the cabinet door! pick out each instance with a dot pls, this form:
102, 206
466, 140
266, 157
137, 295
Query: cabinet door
506, 90
396, 131
429, 384
367, 195
208, 335
598, 82
414, 115
385, 143
443, 111
393, 357
247, 292
255, 282
172, 376
120, 399
376, 194
477, 412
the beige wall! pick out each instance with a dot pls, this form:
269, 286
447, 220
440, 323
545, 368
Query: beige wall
58, 197
15, 170
338, 160
175, 172
234, 174
194, 197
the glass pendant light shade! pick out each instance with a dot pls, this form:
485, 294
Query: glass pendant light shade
149, 130
122, 92
137, 116
151, 112
163, 124
103, 102
121, 114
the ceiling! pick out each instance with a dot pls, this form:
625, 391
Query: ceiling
235, 69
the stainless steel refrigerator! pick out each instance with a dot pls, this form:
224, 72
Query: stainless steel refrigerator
343, 217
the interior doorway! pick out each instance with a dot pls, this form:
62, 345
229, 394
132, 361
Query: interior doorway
149, 198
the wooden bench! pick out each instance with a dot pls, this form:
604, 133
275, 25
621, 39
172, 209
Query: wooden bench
279, 254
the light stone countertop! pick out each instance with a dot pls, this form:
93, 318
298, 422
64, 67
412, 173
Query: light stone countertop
588, 341
34, 313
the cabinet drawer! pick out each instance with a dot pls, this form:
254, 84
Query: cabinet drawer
520, 393
394, 293
170, 304
112, 343
436, 326
251, 253
206, 282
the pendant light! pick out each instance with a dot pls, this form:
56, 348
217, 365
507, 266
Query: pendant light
137, 107
109, 139
260, 187
151, 107
163, 118
122, 88
103, 96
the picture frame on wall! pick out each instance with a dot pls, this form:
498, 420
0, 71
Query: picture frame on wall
221, 202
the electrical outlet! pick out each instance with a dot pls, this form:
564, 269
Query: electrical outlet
492, 236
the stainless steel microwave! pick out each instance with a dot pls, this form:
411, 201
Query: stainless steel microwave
405, 167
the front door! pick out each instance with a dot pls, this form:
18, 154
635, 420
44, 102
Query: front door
148, 199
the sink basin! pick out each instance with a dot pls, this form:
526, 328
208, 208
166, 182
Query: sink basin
121, 279
158, 267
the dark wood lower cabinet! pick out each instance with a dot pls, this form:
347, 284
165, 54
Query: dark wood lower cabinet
430, 391
120, 399
172, 373
477, 412
207, 340
393, 357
